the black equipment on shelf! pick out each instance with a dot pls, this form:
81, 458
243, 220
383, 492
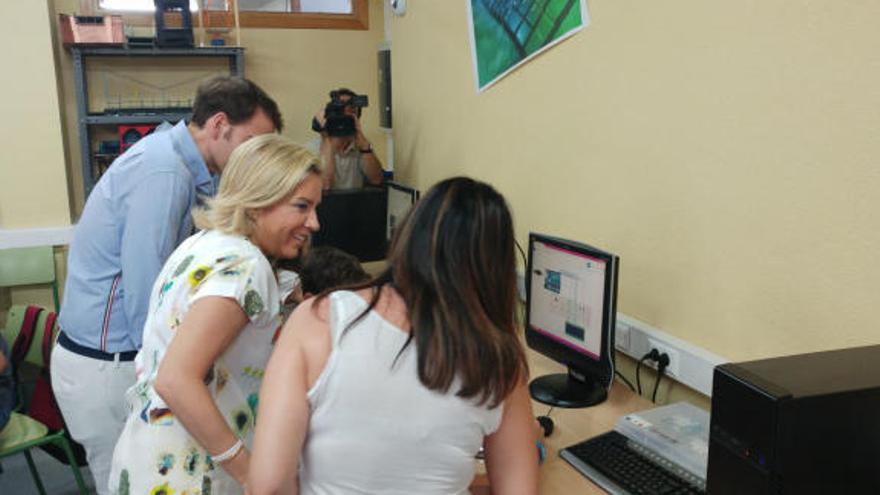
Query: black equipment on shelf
181, 34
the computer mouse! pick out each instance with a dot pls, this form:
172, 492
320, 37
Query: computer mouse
546, 424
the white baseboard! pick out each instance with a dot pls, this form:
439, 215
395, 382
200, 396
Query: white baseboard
51, 236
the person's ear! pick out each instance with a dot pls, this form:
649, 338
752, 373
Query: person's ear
217, 125
252, 216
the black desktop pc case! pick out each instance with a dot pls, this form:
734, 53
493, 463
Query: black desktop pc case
803, 424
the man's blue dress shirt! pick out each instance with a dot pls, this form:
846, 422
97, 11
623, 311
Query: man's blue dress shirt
137, 214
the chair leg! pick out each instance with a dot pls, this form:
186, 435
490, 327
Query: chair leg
68, 452
34, 474
55, 296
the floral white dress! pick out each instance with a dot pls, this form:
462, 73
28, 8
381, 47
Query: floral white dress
155, 455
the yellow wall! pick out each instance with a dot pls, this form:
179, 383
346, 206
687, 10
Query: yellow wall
297, 67
725, 150
33, 182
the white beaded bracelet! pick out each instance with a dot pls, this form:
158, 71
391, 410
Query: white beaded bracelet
229, 454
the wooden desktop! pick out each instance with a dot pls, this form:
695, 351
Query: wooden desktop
572, 426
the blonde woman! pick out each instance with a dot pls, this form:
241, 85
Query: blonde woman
213, 315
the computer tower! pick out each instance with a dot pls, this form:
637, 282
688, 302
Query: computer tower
802, 424
354, 220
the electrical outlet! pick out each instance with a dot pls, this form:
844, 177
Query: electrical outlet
674, 359
688, 364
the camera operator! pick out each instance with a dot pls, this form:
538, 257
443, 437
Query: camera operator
346, 155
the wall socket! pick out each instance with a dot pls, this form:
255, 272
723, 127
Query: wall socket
688, 364
672, 353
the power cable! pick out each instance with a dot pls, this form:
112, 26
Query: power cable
662, 364
625, 380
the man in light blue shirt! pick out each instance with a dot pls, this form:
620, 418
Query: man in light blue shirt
137, 214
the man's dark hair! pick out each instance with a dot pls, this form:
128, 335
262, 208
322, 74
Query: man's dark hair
336, 93
237, 97
327, 267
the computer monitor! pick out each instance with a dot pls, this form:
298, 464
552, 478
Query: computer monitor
400, 200
361, 221
571, 307
353, 220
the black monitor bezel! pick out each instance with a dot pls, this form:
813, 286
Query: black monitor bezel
413, 192
603, 368
414, 197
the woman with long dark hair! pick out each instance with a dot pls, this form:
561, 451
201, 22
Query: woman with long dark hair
394, 386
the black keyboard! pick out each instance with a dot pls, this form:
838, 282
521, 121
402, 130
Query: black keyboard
622, 467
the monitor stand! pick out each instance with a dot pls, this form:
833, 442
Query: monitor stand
567, 390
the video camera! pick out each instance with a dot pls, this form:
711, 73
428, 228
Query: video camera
337, 122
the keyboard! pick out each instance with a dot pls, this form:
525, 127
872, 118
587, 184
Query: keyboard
620, 466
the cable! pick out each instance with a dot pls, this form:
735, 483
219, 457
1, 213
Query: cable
624, 379
521, 253
546, 423
662, 364
639, 368
657, 384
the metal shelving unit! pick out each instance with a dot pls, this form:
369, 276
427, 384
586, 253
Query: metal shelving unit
85, 120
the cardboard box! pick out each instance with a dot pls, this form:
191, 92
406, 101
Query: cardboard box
91, 30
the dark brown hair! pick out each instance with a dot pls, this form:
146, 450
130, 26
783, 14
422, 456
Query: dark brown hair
453, 262
326, 267
237, 97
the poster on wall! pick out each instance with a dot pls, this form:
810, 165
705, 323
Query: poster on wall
508, 33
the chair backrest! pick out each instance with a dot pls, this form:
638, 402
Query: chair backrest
29, 266
14, 319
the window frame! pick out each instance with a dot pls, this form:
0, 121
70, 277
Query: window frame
359, 19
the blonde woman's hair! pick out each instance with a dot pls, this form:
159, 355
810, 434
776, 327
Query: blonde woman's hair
261, 172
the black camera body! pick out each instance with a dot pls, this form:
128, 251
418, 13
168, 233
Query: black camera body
336, 122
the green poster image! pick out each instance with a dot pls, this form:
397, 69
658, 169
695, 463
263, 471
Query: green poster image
507, 33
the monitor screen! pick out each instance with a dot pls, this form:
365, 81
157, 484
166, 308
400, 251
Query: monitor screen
567, 297
400, 200
571, 310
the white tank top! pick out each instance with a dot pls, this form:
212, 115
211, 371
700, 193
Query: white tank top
374, 428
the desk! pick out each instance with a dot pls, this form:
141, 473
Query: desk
574, 425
